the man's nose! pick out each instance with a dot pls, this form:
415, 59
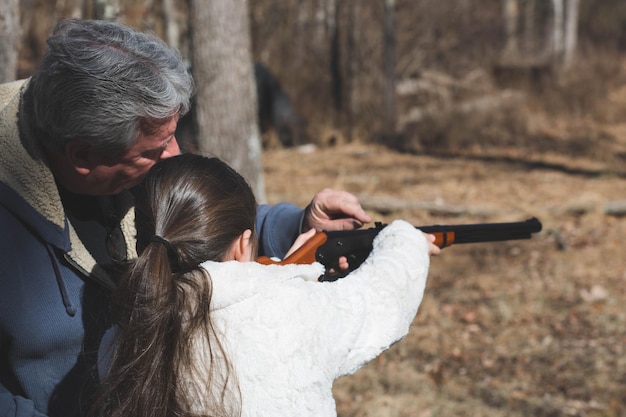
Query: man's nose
172, 149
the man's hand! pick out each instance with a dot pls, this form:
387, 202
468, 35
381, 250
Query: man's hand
334, 210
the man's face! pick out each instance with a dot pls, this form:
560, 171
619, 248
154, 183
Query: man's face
113, 175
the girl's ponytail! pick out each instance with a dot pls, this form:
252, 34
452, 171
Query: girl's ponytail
189, 209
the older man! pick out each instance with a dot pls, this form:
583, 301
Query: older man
75, 138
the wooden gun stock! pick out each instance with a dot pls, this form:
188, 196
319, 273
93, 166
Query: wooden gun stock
356, 245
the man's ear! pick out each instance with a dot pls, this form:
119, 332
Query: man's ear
241, 250
78, 153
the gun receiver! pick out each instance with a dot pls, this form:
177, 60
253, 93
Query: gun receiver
356, 245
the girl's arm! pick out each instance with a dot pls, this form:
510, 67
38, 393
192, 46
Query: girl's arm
350, 321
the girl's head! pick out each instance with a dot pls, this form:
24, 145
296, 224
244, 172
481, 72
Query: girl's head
189, 209
201, 207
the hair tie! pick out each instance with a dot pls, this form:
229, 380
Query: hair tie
170, 249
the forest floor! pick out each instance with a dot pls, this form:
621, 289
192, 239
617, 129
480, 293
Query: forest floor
519, 328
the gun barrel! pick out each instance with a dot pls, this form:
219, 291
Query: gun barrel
485, 232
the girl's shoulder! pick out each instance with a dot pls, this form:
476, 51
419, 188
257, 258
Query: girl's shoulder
234, 281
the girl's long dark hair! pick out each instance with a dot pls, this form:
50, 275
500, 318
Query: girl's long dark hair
199, 206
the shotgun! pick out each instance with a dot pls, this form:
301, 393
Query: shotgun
327, 247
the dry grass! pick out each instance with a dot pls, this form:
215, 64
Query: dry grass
525, 328
520, 328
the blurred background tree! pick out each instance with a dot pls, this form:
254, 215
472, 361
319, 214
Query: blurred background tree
419, 76
225, 103
9, 30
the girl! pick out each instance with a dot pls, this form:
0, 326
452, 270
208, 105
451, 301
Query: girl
200, 332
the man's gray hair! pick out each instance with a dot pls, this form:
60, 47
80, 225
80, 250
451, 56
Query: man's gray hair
104, 83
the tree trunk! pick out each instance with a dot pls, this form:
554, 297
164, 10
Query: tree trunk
107, 9
352, 26
510, 11
69, 8
9, 35
389, 70
225, 105
530, 11
172, 29
571, 31
335, 59
557, 34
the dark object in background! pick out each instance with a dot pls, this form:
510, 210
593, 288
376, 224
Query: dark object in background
276, 110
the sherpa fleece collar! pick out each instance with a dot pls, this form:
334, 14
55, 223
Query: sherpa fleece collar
23, 169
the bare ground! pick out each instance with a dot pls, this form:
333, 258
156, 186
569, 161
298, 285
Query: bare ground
521, 328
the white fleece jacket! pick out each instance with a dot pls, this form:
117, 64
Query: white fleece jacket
289, 337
